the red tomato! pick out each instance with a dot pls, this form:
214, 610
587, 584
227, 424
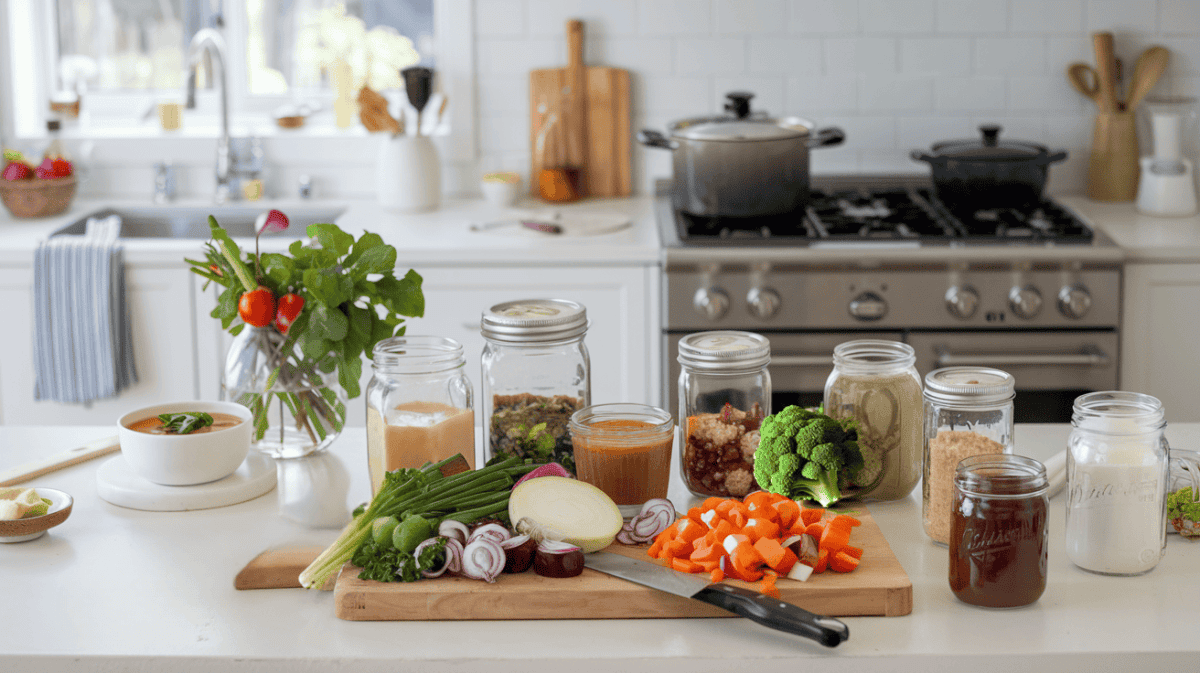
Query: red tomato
290, 306
45, 171
257, 307
17, 171
61, 168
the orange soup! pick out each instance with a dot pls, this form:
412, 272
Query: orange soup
630, 469
154, 425
416, 433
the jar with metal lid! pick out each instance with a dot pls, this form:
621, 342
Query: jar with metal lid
1000, 531
968, 412
535, 374
876, 383
724, 393
420, 405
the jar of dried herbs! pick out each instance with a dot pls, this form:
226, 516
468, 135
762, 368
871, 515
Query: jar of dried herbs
876, 383
535, 374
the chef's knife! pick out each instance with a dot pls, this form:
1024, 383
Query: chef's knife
770, 612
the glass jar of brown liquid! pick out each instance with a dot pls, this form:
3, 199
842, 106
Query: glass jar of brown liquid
999, 535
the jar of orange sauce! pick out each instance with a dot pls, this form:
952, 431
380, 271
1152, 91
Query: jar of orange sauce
625, 451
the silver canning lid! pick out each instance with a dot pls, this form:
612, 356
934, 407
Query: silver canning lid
724, 350
534, 320
971, 385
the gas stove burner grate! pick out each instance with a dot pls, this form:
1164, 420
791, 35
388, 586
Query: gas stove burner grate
893, 214
1042, 222
786, 229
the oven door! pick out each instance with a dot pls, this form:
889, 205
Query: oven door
1051, 368
800, 364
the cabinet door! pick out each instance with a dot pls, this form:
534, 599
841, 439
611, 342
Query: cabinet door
1159, 355
160, 301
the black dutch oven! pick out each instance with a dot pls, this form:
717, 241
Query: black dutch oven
989, 173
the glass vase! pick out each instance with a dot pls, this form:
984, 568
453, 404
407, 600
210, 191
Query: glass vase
298, 409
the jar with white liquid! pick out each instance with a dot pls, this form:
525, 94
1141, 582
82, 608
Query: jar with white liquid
1117, 460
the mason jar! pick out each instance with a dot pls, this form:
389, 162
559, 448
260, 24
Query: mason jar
968, 412
876, 383
724, 393
535, 374
420, 405
1117, 460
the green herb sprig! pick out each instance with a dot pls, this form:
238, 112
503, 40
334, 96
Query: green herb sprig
185, 422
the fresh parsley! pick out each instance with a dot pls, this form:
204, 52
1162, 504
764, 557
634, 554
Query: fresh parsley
185, 422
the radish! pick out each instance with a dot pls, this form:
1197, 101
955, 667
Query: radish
547, 470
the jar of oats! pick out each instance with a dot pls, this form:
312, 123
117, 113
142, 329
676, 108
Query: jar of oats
968, 412
724, 393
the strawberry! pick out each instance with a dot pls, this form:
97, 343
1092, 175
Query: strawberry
61, 168
46, 170
17, 171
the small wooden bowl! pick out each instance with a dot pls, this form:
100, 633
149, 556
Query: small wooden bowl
21, 530
37, 198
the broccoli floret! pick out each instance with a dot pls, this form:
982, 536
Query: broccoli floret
802, 454
1182, 504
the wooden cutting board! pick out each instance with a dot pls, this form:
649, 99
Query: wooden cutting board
878, 587
591, 134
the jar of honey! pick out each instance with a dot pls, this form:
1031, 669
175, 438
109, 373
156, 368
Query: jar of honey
625, 451
999, 534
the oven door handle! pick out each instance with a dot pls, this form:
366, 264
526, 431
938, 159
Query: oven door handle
802, 360
1089, 356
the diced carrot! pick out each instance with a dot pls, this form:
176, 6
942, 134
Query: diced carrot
789, 561
711, 503
738, 519
770, 550
707, 566
668, 534
694, 514
815, 530
759, 498
678, 548
690, 531
761, 528
811, 515
844, 521
856, 552
725, 507
835, 538
654, 549
723, 529
763, 512
768, 587
842, 562
746, 558
822, 561
685, 566
716, 575
707, 553
789, 513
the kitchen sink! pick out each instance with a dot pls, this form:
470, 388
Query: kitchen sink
192, 221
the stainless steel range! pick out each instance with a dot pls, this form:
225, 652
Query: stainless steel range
1035, 292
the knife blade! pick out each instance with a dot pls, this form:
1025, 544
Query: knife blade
770, 612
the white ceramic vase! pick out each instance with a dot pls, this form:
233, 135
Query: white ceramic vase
408, 176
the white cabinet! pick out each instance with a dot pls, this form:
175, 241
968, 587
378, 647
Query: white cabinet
1160, 351
161, 308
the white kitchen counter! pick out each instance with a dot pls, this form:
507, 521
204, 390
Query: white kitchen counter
1143, 238
118, 589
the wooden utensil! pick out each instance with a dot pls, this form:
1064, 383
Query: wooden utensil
1113, 169
1083, 77
603, 158
1106, 72
278, 569
1149, 69
37, 468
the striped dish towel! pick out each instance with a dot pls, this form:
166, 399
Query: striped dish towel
82, 339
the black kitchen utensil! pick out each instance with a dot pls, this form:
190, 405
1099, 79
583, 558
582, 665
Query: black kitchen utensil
418, 84
770, 612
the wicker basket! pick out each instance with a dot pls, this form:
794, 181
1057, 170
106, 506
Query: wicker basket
37, 198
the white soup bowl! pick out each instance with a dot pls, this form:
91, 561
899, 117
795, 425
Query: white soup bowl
184, 460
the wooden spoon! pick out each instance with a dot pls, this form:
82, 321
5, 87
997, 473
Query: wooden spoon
1106, 72
1083, 77
1146, 73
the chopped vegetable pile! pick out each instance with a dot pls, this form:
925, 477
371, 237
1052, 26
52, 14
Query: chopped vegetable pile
807, 455
1183, 510
761, 538
22, 503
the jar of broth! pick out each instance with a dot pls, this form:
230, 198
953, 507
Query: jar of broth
420, 405
625, 451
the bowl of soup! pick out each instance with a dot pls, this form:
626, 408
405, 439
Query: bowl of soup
185, 443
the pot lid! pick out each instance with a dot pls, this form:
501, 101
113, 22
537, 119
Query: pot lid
738, 130
989, 148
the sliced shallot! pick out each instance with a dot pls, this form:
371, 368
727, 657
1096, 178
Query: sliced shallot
483, 559
515, 541
433, 572
493, 531
454, 556
455, 530
518, 553
558, 559
656, 515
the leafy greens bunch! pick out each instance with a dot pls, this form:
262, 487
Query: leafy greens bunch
807, 455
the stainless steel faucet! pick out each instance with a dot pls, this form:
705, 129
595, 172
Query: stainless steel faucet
209, 41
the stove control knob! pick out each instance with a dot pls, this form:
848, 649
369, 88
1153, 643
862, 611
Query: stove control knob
868, 306
1074, 301
1025, 301
711, 302
962, 301
763, 302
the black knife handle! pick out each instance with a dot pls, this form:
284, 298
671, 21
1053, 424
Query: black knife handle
774, 613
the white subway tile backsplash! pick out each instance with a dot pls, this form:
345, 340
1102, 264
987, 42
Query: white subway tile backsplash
969, 94
1014, 127
890, 162
1071, 132
674, 17
646, 55
1010, 56
1045, 16
785, 55
920, 133
823, 16
874, 56
899, 94
710, 55
1061, 52
763, 17
1185, 55
1043, 94
673, 96
519, 56
807, 96
503, 95
1179, 16
864, 132
935, 56
607, 18
896, 16
503, 133
768, 92
499, 18
1122, 16
833, 160
971, 16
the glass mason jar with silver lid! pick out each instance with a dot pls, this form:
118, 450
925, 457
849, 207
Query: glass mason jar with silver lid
724, 393
968, 412
535, 374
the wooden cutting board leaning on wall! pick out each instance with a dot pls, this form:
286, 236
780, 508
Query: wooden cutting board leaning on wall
590, 133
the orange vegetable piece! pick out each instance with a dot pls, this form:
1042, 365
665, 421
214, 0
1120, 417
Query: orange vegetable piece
763, 512
856, 552
690, 531
694, 514
778, 558
811, 515
844, 521
759, 498
668, 534
746, 559
716, 575
768, 587
685, 566
707, 566
723, 529
738, 519
762, 528
726, 507
654, 550
835, 538
815, 530
842, 562
677, 548
789, 513
707, 553
711, 503
822, 561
